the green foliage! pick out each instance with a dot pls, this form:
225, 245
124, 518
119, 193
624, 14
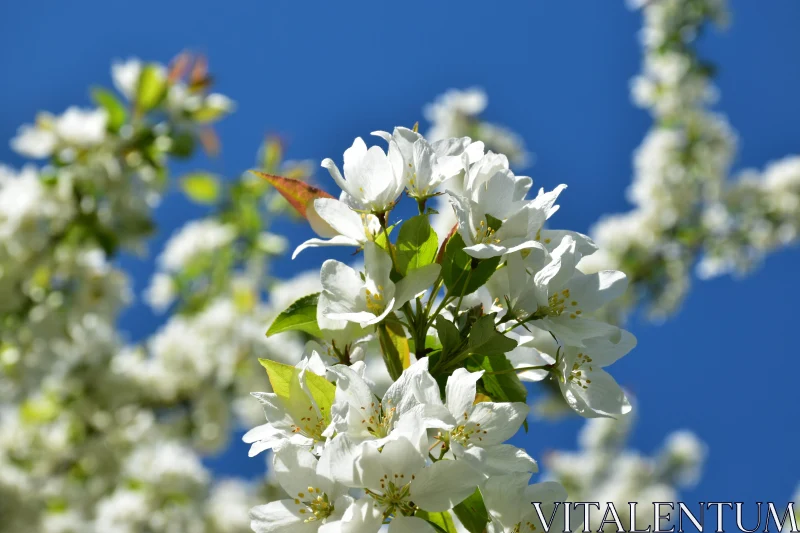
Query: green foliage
449, 335
472, 513
484, 339
382, 238
201, 187
300, 316
475, 340
39, 410
207, 114
117, 114
322, 390
442, 522
280, 376
182, 144
286, 380
462, 273
151, 89
395, 348
500, 381
416, 245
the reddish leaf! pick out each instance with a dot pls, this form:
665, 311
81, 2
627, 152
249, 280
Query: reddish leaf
210, 142
199, 72
296, 192
440, 255
179, 67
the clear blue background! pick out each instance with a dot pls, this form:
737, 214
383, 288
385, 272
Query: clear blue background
557, 72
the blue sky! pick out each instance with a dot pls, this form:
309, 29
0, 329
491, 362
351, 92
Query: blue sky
557, 72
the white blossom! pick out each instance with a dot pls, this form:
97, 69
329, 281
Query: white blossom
372, 179
345, 296
196, 239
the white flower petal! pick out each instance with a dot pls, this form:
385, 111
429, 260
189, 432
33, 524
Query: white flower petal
363, 516
282, 516
499, 459
338, 461
560, 268
573, 331
343, 286
499, 421
338, 240
460, 392
415, 282
502, 496
546, 494
410, 524
341, 218
601, 398
333, 170
606, 350
592, 291
444, 485
296, 469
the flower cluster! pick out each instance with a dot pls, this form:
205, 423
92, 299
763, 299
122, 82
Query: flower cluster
96, 435
686, 213
758, 213
456, 114
603, 471
682, 162
433, 336
459, 327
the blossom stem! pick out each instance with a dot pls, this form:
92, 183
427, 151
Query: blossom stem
421, 205
382, 218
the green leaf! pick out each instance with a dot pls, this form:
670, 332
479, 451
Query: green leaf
300, 316
416, 244
500, 382
39, 410
322, 391
286, 384
152, 88
440, 521
117, 114
432, 344
211, 111
201, 187
449, 336
182, 144
472, 513
395, 349
280, 377
381, 239
271, 154
484, 339
462, 273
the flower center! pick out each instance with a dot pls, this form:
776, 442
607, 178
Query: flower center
311, 426
317, 504
411, 178
485, 234
465, 431
375, 302
367, 231
396, 495
577, 375
380, 422
520, 527
558, 304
